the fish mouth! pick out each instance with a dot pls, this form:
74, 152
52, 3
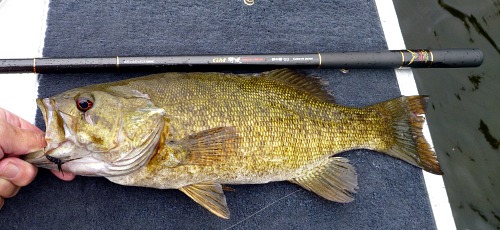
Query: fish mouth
38, 158
41, 158
44, 107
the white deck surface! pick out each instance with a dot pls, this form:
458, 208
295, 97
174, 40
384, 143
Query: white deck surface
435, 184
22, 31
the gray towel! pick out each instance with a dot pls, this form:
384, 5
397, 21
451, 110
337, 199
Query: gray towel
392, 194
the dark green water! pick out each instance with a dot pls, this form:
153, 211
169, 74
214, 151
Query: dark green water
464, 107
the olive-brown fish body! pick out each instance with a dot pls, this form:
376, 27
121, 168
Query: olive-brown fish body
282, 131
196, 131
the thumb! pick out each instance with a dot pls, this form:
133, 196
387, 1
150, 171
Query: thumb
17, 141
17, 171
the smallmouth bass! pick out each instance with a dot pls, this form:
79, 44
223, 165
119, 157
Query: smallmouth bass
197, 131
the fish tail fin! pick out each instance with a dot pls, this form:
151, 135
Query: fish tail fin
406, 140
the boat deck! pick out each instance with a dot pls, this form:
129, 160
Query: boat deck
18, 91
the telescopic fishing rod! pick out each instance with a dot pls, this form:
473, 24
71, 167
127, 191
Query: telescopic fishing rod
387, 59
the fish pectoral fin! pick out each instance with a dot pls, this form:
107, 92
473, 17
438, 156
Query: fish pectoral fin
206, 147
335, 180
210, 196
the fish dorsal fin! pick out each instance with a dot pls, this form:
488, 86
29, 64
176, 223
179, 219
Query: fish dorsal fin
334, 180
312, 85
202, 148
210, 196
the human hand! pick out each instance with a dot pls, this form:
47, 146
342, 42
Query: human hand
19, 137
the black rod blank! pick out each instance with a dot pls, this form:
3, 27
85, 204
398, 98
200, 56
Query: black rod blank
387, 59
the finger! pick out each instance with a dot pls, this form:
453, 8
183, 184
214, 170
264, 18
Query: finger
7, 189
17, 121
66, 176
19, 141
17, 171
1, 202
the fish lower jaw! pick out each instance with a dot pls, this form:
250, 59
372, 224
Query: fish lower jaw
85, 166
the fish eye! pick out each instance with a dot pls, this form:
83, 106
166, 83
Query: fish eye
84, 103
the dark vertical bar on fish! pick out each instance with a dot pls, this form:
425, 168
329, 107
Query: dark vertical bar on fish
387, 59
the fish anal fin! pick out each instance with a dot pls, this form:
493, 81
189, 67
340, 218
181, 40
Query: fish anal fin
335, 180
309, 84
202, 148
210, 196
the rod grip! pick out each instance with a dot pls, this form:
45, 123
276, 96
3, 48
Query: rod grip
453, 58
446, 58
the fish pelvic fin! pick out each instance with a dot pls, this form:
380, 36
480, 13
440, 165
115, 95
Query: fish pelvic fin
210, 196
406, 140
202, 148
335, 180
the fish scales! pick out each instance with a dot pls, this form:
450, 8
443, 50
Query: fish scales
278, 140
196, 131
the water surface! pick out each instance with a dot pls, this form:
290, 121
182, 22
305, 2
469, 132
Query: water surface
464, 106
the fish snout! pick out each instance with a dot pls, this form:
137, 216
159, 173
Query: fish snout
53, 122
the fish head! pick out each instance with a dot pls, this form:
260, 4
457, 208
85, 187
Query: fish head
98, 131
